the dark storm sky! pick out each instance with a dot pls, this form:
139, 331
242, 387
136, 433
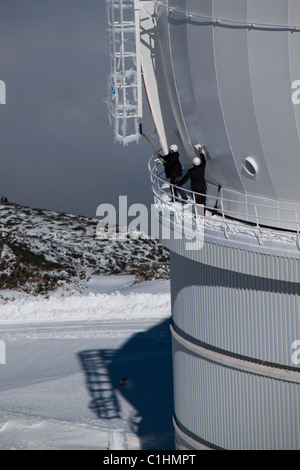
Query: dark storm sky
57, 147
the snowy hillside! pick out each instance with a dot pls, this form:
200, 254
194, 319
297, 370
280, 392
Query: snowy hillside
42, 250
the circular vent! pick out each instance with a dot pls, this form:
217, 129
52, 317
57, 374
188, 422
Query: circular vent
250, 166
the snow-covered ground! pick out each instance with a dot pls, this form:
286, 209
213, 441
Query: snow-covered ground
66, 354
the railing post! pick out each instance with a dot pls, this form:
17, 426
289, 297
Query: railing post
258, 229
297, 228
224, 221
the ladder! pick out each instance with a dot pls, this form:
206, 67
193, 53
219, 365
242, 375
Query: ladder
125, 84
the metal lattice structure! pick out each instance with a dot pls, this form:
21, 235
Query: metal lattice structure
125, 91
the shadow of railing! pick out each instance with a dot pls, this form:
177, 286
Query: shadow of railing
95, 365
140, 372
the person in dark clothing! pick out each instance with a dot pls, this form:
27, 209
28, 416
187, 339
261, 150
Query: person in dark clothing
197, 176
173, 168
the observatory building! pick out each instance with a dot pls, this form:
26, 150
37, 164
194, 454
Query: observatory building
224, 74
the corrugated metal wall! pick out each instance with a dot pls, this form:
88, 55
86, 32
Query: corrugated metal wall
242, 305
231, 409
244, 314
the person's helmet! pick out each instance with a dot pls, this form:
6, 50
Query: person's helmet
197, 161
174, 148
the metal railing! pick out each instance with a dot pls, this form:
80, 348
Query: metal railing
217, 216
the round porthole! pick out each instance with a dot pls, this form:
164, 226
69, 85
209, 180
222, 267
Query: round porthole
250, 166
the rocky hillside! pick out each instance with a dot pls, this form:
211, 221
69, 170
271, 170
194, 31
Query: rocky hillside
42, 250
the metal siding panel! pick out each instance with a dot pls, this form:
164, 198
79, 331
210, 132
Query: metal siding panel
202, 8
235, 410
171, 112
247, 316
294, 13
183, 81
271, 89
241, 260
268, 11
231, 48
203, 72
232, 9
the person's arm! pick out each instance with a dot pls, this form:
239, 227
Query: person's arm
203, 160
161, 158
185, 178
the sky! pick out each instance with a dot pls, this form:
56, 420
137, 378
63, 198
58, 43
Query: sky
57, 146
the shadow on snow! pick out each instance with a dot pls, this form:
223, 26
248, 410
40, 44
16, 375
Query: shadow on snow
141, 370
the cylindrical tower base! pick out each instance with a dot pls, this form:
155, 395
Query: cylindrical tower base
234, 320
